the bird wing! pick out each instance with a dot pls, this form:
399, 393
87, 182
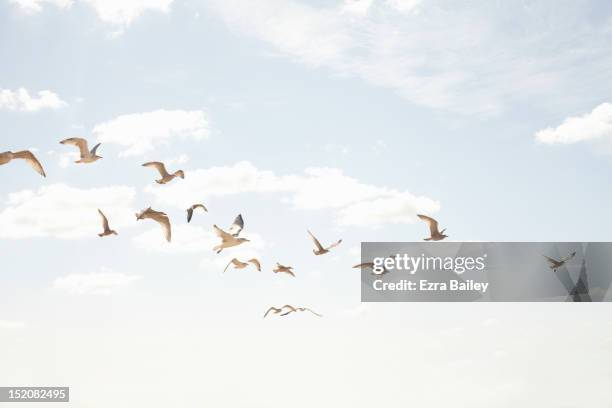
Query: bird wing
365, 265
272, 309
222, 234
335, 244
551, 261
159, 166
29, 157
164, 221
312, 311
95, 149
78, 142
189, 214
433, 224
255, 262
237, 225
316, 241
202, 206
104, 220
233, 261
568, 257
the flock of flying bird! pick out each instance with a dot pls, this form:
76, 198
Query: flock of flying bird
229, 238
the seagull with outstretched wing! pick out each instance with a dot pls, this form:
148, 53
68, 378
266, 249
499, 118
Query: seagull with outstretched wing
87, 156
434, 233
25, 155
191, 209
320, 249
227, 240
159, 217
165, 176
107, 231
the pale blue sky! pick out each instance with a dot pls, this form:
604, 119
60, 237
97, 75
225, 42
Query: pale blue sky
435, 99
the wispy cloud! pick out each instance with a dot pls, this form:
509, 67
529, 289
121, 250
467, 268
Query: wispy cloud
355, 203
465, 59
595, 126
104, 282
62, 211
21, 100
139, 133
118, 13
11, 325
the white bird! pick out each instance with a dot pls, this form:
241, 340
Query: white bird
241, 265
283, 269
86, 155
107, 230
191, 209
26, 155
158, 216
227, 240
320, 250
554, 264
165, 176
435, 235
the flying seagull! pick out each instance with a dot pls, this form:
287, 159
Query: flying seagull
26, 155
192, 208
86, 155
158, 216
554, 264
236, 226
165, 176
435, 235
241, 265
283, 269
320, 250
287, 309
370, 265
227, 240
107, 230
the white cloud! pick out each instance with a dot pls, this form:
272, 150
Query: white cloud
139, 133
36, 6
119, 13
21, 100
61, 211
11, 325
104, 282
355, 203
465, 59
594, 126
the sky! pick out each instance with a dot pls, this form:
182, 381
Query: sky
343, 117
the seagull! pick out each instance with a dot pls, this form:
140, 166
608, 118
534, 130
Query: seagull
227, 240
86, 155
435, 235
283, 269
320, 250
241, 265
26, 155
158, 216
554, 264
192, 208
287, 309
166, 177
370, 265
107, 230
236, 226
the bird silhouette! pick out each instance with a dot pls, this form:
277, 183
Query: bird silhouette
241, 265
191, 209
